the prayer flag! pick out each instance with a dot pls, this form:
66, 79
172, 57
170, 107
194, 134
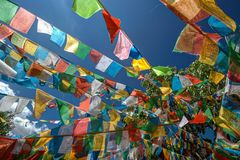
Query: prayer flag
71, 44
95, 105
81, 126
95, 56
104, 63
30, 47
162, 71
85, 105
113, 69
7, 102
66, 111
23, 20
58, 36
61, 66
123, 46
5, 32
7, 11
86, 8
216, 77
112, 23
198, 118
7, 70
41, 101
99, 142
82, 50
141, 64
18, 40
44, 27
183, 122
22, 103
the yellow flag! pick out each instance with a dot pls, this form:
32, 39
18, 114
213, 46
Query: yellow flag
15, 56
84, 72
42, 141
213, 9
215, 77
114, 116
165, 91
141, 64
120, 94
71, 44
30, 47
160, 131
209, 52
166, 154
99, 142
41, 101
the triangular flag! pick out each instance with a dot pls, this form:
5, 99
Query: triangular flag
112, 23
183, 122
41, 101
123, 46
66, 111
86, 8
208, 113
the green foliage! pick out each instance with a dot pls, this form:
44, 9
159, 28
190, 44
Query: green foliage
5, 123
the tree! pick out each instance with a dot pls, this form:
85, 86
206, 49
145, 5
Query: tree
5, 123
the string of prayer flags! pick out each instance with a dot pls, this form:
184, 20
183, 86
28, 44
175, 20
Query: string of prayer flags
112, 23
41, 101
23, 20
86, 8
7, 11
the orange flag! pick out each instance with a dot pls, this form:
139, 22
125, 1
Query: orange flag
112, 23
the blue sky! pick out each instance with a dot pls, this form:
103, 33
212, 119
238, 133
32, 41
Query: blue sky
149, 24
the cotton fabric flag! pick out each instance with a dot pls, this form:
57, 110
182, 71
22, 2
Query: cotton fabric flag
41, 53
41, 101
44, 27
123, 46
23, 20
135, 53
66, 145
18, 40
71, 44
86, 8
95, 105
141, 64
58, 36
7, 11
85, 105
18, 146
5, 32
66, 111
103, 63
112, 23
96, 87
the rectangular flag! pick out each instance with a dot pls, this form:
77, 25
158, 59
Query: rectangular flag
7, 11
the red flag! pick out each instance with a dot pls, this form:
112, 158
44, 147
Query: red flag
6, 147
112, 23
82, 87
36, 156
199, 118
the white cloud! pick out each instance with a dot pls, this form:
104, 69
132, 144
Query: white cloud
22, 125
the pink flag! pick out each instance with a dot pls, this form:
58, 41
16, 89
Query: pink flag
81, 126
5, 32
23, 20
85, 105
123, 46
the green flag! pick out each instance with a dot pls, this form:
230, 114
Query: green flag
162, 71
208, 113
7, 11
66, 111
86, 8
